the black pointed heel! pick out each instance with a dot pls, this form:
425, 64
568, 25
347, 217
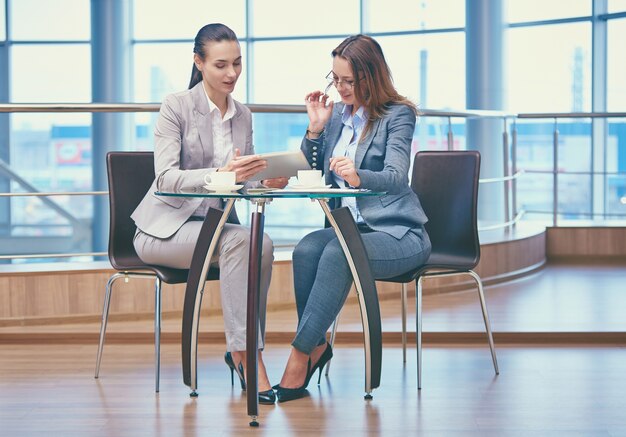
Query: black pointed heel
325, 358
228, 358
267, 397
289, 394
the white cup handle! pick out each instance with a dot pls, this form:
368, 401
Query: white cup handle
208, 175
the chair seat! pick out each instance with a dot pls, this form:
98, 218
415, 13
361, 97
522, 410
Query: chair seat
166, 274
436, 261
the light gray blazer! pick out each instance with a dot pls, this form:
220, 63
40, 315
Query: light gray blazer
183, 154
382, 160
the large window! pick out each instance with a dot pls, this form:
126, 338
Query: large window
277, 81
616, 66
408, 15
429, 69
3, 30
549, 68
49, 62
536, 10
36, 20
286, 18
286, 48
616, 6
181, 19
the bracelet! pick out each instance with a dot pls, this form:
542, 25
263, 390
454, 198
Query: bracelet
314, 133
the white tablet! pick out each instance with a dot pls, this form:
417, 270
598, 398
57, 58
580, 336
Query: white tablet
282, 164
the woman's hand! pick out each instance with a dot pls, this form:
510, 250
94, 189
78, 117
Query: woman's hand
275, 182
344, 167
244, 166
317, 109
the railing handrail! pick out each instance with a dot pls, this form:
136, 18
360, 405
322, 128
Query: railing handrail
254, 107
573, 115
55, 193
503, 178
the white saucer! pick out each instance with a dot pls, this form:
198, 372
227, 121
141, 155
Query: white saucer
222, 188
298, 187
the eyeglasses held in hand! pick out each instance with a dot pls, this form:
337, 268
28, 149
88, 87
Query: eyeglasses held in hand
334, 80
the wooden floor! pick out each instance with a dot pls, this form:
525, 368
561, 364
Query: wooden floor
47, 385
50, 390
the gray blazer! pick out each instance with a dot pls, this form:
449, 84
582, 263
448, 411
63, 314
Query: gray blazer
183, 154
382, 160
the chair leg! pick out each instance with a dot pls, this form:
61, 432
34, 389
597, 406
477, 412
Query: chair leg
105, 318
483, 306
333, 333
157, 331
403, 298
418, 330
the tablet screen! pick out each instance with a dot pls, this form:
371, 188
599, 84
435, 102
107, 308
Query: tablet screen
282, 164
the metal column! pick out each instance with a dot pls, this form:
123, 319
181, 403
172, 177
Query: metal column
484, 49
110, 83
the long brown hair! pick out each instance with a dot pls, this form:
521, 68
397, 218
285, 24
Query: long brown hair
211, 32
373, 84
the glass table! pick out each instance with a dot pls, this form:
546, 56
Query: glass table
350, 240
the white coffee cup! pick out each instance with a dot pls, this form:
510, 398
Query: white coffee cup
221, 178
310, 178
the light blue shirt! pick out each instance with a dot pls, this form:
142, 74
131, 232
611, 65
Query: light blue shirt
353, 126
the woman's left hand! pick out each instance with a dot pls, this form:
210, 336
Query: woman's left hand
275, 182
344, 167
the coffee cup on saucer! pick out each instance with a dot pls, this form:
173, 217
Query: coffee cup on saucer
220, 178
310, 178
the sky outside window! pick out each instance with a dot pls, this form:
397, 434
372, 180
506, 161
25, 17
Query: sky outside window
40, 20
402, 15
290, 18
181, 19
549, 68
3, 31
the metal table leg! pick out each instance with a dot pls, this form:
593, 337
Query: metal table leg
207, 241
350, 239
252, 315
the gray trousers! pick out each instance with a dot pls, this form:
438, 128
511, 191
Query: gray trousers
322, 276
231, 256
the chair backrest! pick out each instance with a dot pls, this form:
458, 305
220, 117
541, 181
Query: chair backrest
447, 186
130, 175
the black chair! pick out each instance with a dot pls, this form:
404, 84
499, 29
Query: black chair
130, 175
447, 186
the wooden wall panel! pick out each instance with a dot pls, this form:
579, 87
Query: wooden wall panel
581, 242
64, 295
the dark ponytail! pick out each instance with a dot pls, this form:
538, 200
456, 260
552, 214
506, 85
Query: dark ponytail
211, 32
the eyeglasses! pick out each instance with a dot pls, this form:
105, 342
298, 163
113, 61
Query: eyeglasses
332, 80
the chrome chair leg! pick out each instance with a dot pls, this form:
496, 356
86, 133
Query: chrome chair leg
418, 330
483, 306
403, 298
333, 333
105, 318
157, 331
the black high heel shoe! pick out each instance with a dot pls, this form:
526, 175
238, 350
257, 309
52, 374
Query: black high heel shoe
228, 358
289, 394
267, 397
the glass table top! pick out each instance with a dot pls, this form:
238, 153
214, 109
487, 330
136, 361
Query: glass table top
255, 193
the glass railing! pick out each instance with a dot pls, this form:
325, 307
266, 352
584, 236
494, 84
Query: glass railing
554, 168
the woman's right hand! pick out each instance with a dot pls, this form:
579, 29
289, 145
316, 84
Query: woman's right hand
319, 110
244, 166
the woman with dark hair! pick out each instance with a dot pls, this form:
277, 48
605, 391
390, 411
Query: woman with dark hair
201, 131
364, 142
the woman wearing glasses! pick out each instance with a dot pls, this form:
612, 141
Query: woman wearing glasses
362, 142
200, 131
